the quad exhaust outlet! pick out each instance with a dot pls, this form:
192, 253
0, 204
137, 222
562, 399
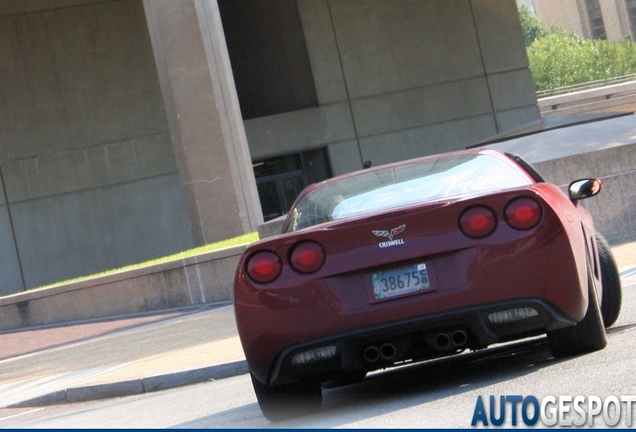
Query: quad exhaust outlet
394, 350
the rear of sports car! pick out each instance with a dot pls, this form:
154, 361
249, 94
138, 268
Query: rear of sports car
411, 283
458, 274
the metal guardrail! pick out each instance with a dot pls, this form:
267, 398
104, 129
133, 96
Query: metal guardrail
585, 86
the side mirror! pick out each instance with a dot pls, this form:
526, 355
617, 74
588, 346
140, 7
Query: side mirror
584, 188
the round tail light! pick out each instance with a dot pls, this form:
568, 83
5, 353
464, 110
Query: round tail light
478, 222
307, 257
523, 213
264, 266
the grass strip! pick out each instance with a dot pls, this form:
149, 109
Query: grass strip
224, 244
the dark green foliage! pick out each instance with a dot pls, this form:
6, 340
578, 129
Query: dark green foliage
558, 59
533, 28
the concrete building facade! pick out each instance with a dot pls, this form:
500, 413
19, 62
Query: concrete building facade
591, 19
132, 129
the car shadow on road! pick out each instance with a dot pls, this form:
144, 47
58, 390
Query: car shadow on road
430, 381
435, 380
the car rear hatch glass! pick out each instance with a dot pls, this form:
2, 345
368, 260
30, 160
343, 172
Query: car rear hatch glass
422, 181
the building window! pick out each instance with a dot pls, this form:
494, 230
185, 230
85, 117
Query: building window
280, 180
596, 19
631, 10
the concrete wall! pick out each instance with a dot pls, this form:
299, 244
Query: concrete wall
602, 149
572, 15
206, 278
569, 14
616, 19
205, 119
11, 280
86, 157
393, 82
614, 209
608, 99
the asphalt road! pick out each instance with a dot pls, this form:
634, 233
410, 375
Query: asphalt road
438, 394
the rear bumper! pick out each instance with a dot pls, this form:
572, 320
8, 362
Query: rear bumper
416, 339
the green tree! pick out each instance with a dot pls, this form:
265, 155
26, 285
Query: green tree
533, 28
560, 59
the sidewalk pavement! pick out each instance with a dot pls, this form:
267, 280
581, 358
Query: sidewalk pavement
118, 356
133, 354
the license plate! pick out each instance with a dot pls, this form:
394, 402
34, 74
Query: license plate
401, 281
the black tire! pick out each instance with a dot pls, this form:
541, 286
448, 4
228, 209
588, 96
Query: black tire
287, 401
586, 336
610, 282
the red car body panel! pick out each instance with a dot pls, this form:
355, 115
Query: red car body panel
547, 263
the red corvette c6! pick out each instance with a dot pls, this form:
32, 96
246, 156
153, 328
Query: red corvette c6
417, 260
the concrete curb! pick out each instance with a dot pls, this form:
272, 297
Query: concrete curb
137, 386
